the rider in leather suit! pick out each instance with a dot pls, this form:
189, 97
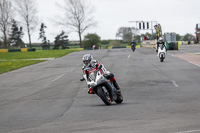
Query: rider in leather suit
160, 41
90, 65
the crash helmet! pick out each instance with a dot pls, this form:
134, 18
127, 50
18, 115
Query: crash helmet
160, 39
133, 42
87, 59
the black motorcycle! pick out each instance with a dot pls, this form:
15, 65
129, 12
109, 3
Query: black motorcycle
133, 47
133, 44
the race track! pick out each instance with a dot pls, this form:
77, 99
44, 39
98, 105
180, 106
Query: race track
50, 98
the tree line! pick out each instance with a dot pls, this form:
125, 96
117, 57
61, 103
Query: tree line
78, 18
128, 34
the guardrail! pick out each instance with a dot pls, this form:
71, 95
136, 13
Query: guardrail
16, 50
3, 50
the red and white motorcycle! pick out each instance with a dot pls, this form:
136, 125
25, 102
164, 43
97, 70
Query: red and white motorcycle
98, 84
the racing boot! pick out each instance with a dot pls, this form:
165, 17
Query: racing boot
118, 91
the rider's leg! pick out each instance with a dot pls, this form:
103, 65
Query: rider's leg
112, 78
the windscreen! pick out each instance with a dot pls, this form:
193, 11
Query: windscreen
92, 76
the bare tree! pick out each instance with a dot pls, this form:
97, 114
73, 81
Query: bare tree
125, 33
78, 16
5, 20
28, 12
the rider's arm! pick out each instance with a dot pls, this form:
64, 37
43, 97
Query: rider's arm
102, 68
85, 73
165, 46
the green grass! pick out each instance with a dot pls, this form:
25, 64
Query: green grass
14, 60
6, 66
36, 54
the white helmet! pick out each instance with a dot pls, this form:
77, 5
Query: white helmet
160, 39
87, 59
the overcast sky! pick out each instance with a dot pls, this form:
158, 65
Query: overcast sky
178, 16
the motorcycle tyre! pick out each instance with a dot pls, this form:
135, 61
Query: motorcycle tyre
106, 99
133, 50
119, 99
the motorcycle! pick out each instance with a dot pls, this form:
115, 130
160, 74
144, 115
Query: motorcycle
98, 84
133, 47
162, 52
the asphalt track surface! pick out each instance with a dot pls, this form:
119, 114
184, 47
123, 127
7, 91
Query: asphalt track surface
158, 97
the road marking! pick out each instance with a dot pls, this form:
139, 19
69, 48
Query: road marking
54, 80
170, 54
58, 77
193, 63
129, 56
46, 85
186, 59
192, 131
174, 83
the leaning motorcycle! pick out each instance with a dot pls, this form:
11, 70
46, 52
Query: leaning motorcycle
161, 52
98, 84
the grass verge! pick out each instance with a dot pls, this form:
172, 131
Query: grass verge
36, 54
14, 60
6, 66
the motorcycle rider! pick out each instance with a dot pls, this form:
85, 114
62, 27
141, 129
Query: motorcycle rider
132, 43
90, 65
160, 41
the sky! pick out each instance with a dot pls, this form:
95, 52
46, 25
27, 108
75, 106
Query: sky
180, 16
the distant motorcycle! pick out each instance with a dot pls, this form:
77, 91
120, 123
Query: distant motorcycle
161, 52
133, 46
98, 84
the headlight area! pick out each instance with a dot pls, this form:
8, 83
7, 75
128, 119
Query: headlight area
92, 85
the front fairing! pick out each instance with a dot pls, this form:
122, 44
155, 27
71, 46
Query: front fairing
161, 50
95, 78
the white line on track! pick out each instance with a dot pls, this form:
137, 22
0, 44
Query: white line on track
186, 60
58, 77
174, 83
54, 80
193, 63
129, 56
46, 85
191, 131
170, 54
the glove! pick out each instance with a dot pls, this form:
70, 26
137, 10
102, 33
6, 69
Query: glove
82, 79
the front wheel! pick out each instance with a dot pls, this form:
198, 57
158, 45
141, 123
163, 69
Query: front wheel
104, 95
162, 57
133, 48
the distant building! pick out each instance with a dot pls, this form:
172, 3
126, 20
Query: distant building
197, 33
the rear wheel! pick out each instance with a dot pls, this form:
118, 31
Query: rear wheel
104, 95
